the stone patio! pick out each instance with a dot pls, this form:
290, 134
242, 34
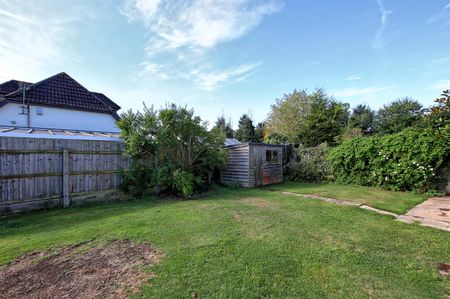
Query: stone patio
434, 212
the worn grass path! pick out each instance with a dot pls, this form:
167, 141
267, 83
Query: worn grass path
391, 201
253, 244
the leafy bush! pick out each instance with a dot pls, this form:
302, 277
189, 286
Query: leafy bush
409, 160
135, 180
170, 149
185, 181
235, 185
311, 164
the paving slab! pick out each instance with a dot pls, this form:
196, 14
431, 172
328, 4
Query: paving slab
340, 202
434, 212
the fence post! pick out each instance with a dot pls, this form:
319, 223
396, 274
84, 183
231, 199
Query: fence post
65, 185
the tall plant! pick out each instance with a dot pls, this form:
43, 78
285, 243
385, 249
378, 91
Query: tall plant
171, 149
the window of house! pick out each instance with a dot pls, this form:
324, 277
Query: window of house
272, 156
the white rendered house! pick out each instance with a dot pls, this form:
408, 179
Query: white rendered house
58, 102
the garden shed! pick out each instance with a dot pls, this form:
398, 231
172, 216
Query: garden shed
252, 164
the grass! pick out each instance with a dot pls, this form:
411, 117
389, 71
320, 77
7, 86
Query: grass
392, 201
253, 244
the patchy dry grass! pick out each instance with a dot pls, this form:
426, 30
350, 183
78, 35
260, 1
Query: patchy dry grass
260, 203
250, 244
79, 271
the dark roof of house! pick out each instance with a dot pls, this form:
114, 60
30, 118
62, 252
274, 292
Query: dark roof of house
11, 85
63, 91
106, 100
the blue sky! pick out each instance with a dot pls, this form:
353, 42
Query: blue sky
232, 56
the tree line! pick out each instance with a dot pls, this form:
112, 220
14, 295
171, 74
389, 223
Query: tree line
314, 118
172, 150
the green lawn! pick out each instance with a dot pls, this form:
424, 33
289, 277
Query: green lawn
253, 244
396, 202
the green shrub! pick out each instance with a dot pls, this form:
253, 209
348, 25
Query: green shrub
170, 150
185, 181
409, 160
234, 185
136, 180
311, 164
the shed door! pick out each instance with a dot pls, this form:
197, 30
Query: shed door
258, 167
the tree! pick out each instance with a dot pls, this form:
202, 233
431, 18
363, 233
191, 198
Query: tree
260, 131
362, 117
310, 119
439, 115
224, 127
246, 129
397, 116
170, 149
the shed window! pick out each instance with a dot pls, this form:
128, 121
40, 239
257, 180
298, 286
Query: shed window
271, 156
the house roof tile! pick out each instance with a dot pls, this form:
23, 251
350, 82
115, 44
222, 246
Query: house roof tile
63, 91
12, 85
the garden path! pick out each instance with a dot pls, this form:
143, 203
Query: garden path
434, 212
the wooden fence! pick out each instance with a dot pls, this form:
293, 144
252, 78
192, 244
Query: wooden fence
35, 169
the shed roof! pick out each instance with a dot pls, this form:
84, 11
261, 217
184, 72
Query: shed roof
252, 143
231, 141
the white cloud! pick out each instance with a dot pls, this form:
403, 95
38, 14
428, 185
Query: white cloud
185, 31
440, 85
197, 23
209, 81
439, 60
443, 15
33, 36
313, 63
378, 41
140, 9
353, 78
366, 91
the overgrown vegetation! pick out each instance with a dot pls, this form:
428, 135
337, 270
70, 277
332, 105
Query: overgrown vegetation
171, 150
409, 160
399, 148
310, 164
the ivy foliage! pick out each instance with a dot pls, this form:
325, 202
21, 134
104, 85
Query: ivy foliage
409, 160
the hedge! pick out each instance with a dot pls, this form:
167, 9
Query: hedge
409, 160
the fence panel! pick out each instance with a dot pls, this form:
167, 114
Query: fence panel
32, 169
